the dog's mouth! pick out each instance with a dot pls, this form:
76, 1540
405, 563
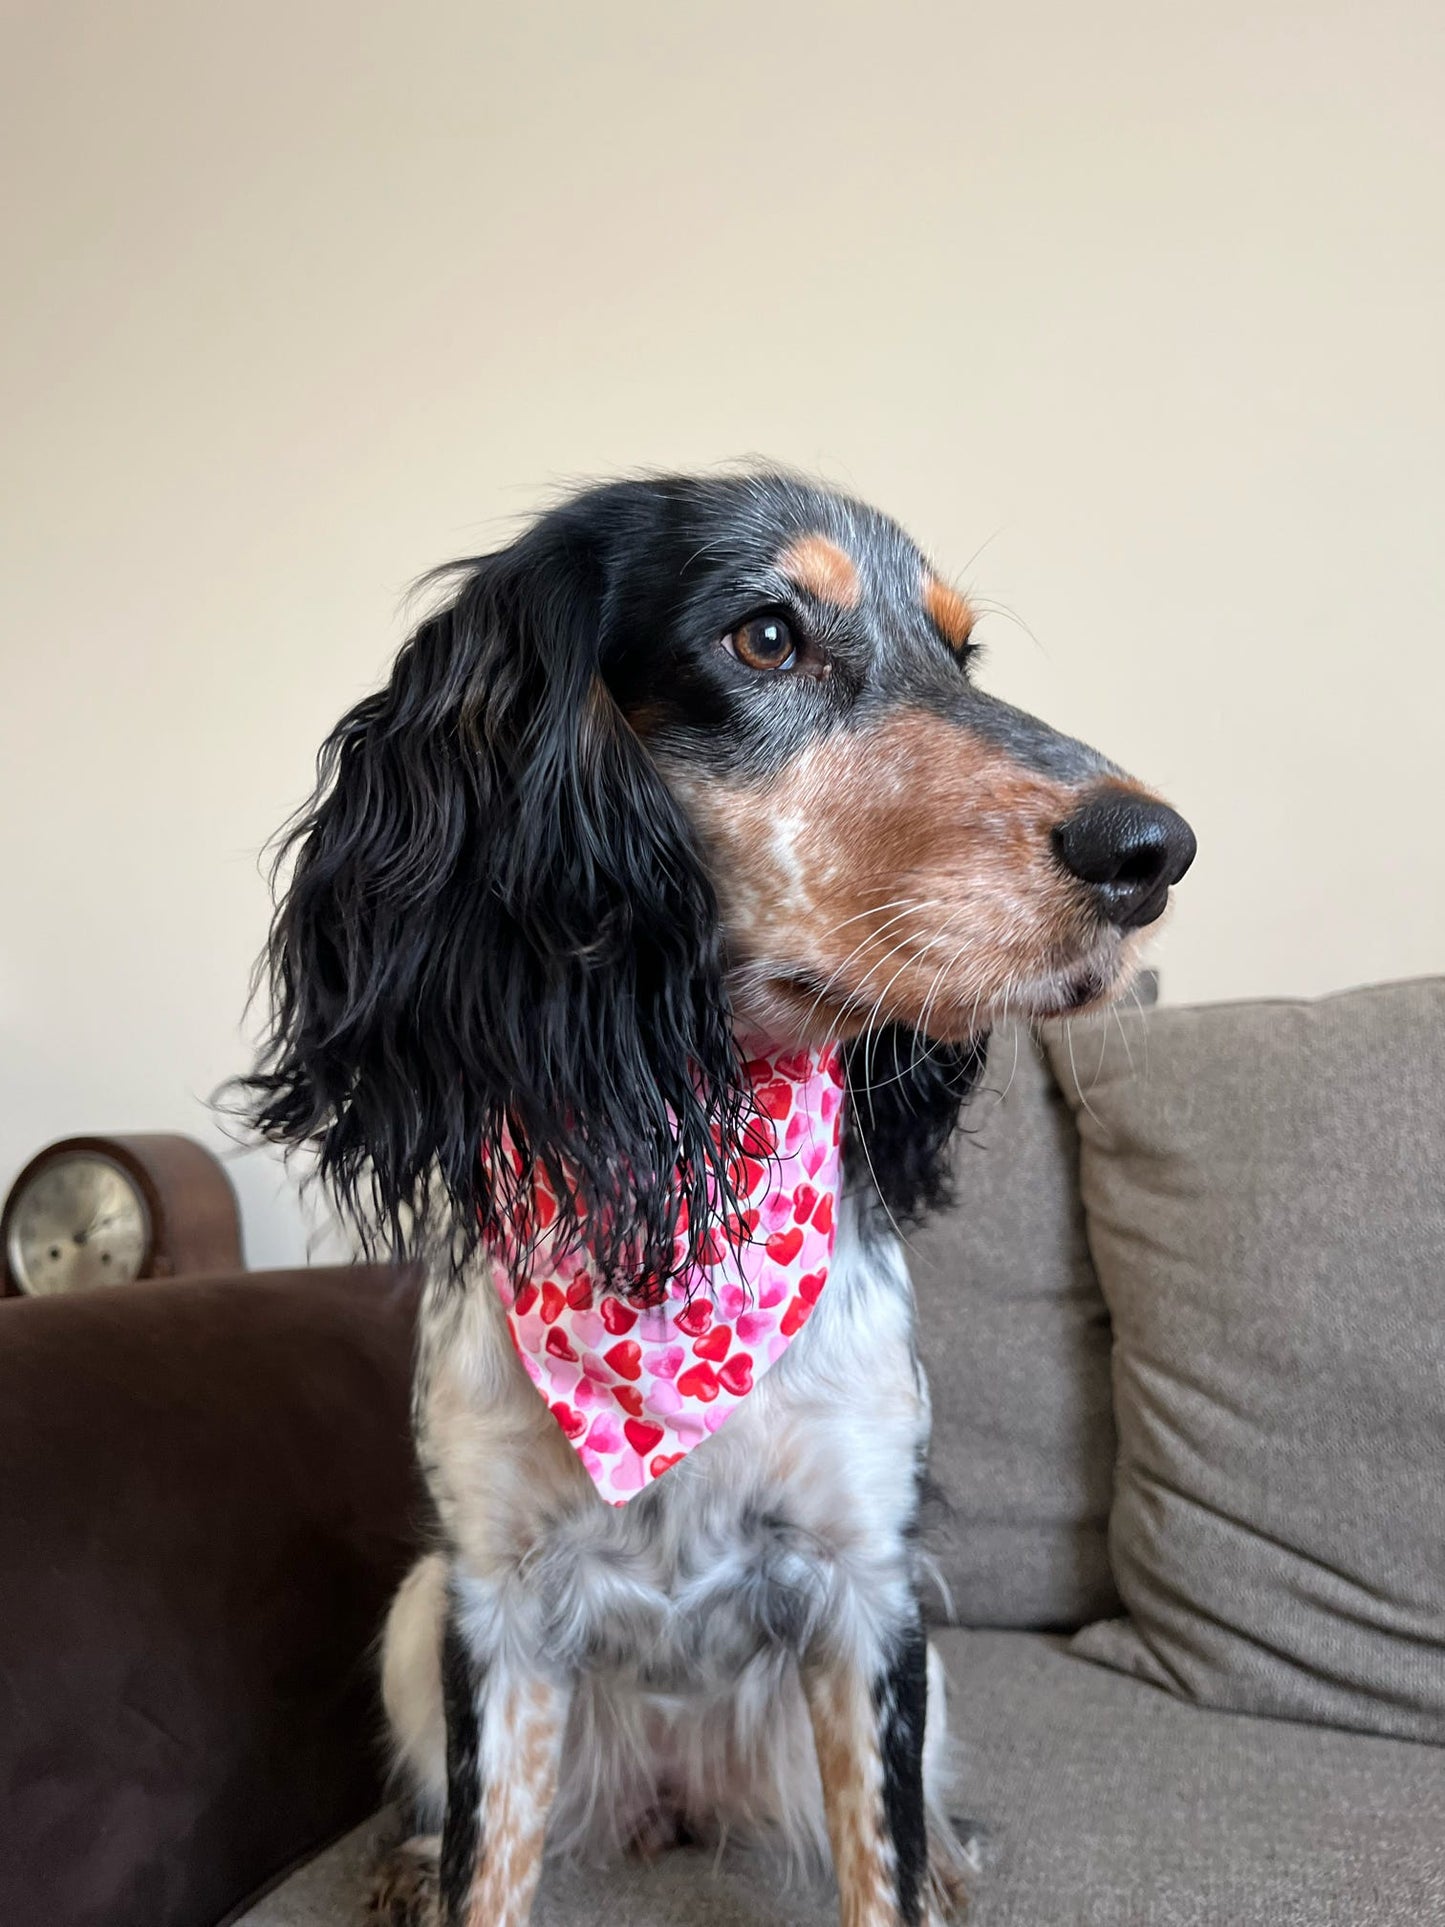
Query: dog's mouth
824, 1008
816, 1008
800, 1001
1091, 988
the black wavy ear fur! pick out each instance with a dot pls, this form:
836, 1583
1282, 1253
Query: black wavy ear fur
905, 1094
496, 925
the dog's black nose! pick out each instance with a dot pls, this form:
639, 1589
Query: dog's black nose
1130, 849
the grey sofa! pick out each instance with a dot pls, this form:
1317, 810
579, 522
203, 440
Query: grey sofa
1186, 1334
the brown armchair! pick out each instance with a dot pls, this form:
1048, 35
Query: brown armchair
207, 1498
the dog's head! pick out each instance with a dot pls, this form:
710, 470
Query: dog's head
691, 756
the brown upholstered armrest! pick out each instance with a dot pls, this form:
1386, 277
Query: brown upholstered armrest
206, 1497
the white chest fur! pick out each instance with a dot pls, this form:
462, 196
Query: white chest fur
796, 1506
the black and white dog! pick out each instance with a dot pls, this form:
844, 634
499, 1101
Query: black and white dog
692, 760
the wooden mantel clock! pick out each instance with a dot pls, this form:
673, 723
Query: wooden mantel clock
106, 1210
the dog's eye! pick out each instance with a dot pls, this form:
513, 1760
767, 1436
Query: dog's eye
764, 643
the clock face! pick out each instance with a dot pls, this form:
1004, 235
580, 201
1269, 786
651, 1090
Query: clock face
79, 1221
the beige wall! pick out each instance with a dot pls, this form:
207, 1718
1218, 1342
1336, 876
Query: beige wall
1134, 313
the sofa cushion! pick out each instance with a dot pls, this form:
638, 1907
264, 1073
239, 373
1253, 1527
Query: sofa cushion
207, 1499
1015, 1337
1104, 1802
1267, 1213
1107, 1802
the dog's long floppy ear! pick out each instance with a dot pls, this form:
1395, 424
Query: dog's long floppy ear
905, 1095
497, 932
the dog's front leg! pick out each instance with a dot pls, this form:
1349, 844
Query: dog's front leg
868, 1715
504, 1728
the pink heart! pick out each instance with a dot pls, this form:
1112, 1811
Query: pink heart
664, 1364
777, 1210
813, 1157
588, 1329
731, 1300
772, 1289
605, 1434
628, 1473
754, 1325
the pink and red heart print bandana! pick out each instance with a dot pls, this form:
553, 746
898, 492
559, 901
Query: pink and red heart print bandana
635, 1390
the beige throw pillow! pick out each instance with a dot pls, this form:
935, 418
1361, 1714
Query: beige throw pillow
1265, 1195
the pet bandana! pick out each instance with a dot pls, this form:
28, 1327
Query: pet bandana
633, 1389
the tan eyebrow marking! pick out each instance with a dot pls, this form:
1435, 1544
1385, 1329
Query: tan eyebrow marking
823, 569
949, 610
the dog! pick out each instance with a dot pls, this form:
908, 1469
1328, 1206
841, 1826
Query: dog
690, 786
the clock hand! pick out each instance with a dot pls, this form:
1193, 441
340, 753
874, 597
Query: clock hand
96, 1224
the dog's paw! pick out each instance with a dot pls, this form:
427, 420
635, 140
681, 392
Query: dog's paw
973, 1841
404, 1884
956, 1853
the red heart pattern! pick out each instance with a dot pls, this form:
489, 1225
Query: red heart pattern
713, 1344
810, 1286
572, 1423
699, 1382
625, 1359
675, 1369
642, 1434
737, 1375
695, 1318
